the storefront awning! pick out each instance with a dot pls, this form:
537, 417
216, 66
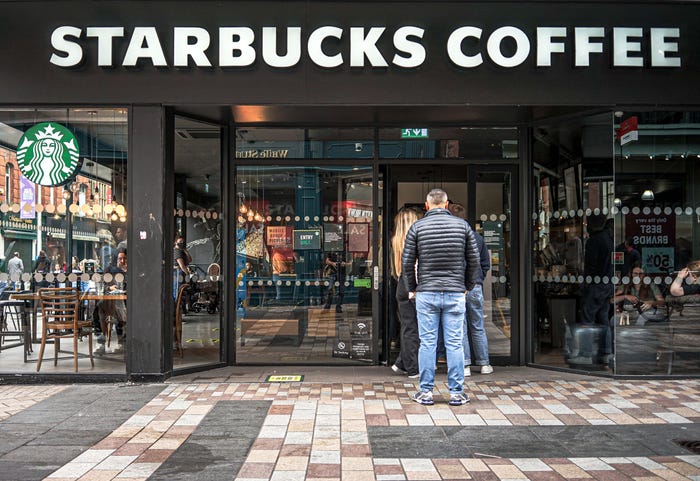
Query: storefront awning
19, 234
77, 236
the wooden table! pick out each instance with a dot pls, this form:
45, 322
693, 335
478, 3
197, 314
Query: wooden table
84, 296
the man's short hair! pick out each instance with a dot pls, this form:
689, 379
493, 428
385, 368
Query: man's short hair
436, 197
16, 254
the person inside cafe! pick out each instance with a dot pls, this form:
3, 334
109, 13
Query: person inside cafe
638, 302
181, 261
686, 281
283, 259
112, 309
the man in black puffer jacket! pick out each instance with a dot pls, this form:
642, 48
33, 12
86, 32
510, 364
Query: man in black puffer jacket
448, 267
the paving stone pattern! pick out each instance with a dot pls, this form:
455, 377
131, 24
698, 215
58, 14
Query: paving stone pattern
217, 448
14, 399
330, 431
49, 434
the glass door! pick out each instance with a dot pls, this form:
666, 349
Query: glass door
305, 263
490, 207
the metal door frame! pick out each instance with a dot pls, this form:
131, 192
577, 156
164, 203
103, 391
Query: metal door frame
478, 172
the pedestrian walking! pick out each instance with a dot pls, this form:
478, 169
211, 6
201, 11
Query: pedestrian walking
448, 267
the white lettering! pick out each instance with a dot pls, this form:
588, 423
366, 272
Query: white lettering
622, 46
522, 46
659, 47
73, 51
269, 47
362, 46
546, 47
467, 46
183, 49
584, 47
415, 50
144, 44
315, 47
236, 39
454, 47
105, 36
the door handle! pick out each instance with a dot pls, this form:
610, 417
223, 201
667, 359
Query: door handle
376, 278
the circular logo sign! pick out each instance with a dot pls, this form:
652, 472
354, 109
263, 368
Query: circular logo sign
47, 154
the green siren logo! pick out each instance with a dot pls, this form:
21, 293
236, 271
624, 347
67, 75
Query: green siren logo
48, 154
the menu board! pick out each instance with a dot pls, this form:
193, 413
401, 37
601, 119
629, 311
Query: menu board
332, 237
307, 239
279, 236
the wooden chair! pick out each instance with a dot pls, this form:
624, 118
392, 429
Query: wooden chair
178, 318
60, 308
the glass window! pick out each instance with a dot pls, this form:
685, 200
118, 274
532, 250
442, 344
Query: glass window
573, 241
657, 317
304, 262
269, 144
63, 224
449, 143
197, 248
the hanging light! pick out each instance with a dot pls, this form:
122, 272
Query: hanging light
114, 216
617, 202
648, 194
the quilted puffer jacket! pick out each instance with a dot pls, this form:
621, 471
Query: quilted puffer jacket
445, 249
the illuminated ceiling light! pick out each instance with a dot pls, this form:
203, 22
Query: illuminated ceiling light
617, 202
648, 194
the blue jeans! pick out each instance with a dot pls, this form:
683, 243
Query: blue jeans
435, 309
474, 332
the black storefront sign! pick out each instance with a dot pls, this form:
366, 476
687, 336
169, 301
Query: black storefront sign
384, 53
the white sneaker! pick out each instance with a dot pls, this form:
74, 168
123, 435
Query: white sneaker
397, 369
119, 349
467, 371
100, 350
487, 369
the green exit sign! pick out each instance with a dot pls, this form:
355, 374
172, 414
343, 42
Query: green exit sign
414, 133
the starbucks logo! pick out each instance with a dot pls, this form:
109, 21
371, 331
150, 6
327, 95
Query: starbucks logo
48, 154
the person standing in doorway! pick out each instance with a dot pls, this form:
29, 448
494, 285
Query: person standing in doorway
407, 360
181, 259
474, 332
448, 267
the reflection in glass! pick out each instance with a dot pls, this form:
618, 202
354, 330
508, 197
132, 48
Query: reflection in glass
304, 257
70, 235
197, 249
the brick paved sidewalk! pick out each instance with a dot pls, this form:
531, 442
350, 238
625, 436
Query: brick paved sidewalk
334, 431
16, 398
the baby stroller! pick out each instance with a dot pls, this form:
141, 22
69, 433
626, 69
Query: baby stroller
204, 289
